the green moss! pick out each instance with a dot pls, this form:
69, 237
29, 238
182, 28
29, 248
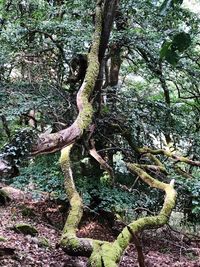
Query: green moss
74, 243
124, 238
2, 239
85, 117
76, 210
111, 254
107, 255
25, 229
26, 211
95, 259
65, 165
76, 204
4, 197
70, 241
44, 242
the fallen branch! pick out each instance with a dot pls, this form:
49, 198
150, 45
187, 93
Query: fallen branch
181, 172
187, 235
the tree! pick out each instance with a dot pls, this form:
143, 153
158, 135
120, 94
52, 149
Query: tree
100, 123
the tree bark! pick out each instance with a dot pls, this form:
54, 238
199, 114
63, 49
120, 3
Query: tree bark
5, 126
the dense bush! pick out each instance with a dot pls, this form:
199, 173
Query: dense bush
44, 175
188, 199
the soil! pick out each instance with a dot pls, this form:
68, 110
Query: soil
161, 247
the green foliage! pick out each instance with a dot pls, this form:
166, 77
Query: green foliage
124, 203
42, 176
189, 198
164, 49
180, 42
19, 148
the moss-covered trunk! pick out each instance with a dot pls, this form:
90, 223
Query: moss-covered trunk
101, 253
69, 242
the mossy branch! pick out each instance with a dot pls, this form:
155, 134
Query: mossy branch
110, 253
181, 172
169, 154
69, 241
76, 210
155, 160
154, 168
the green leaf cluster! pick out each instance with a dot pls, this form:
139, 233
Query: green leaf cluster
179, 43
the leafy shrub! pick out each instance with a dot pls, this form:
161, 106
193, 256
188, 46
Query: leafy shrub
125, 204
43, 174
189, 199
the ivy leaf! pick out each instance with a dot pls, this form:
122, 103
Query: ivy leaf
172, 57
164, 49
177, 2
168, 53
181, 41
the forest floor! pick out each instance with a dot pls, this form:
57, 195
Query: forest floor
162, 247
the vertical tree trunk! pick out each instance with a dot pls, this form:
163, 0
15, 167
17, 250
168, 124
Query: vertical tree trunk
5, 126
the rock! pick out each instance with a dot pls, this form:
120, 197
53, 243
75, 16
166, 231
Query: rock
26, 211
4, 197
13, 193
35, 240
74, 263
25, 229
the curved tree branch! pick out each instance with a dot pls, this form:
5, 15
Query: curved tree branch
109, 254
49, 143
169, 154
